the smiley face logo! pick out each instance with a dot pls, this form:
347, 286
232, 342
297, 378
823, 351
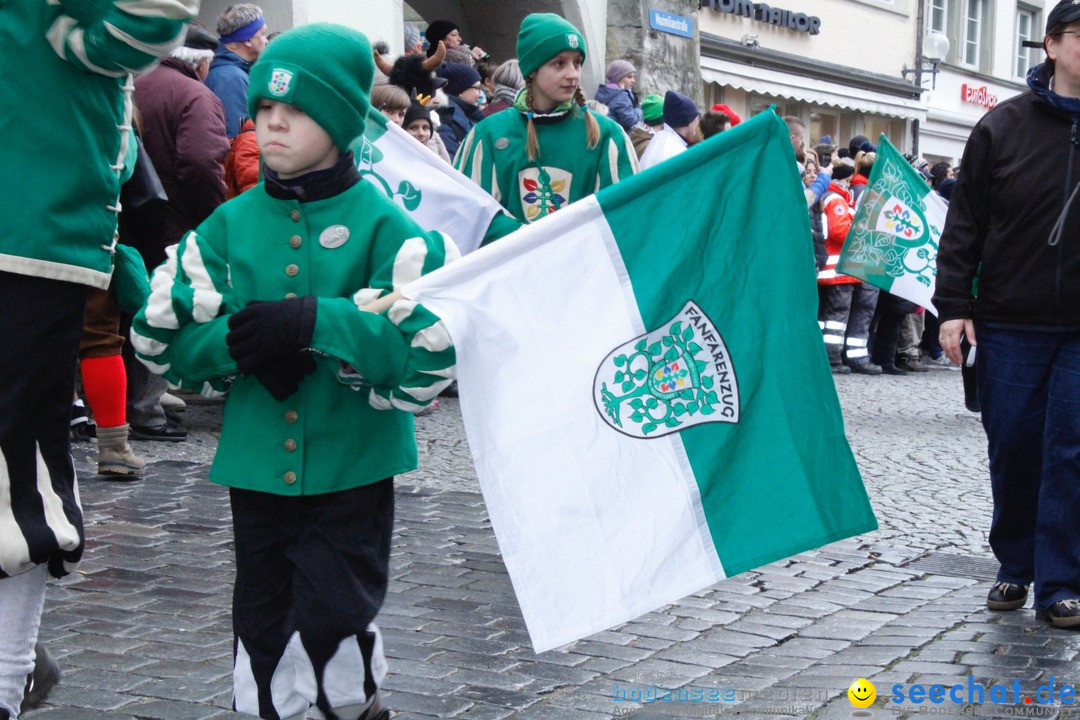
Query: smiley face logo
862, 693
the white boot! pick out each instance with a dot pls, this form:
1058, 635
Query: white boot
115, 456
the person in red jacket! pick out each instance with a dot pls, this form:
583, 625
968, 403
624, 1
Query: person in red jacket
242, 162
835, 290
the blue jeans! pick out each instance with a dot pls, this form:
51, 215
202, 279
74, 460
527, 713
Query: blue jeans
1029, 386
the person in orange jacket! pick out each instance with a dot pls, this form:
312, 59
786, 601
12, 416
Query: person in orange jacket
242, 162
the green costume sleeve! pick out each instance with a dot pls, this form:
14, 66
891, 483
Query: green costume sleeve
180, 332
402, 358
122, 37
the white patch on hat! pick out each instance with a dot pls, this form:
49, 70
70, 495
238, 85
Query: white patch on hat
280, 80
572, 40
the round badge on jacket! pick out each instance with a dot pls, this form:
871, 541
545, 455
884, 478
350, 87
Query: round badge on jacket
502, 143
334, 236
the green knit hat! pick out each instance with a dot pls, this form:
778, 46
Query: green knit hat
652, 109
324, 69
542, 37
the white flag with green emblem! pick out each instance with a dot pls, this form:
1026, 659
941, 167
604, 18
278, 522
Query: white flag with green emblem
893, 241
436, 195
645, 392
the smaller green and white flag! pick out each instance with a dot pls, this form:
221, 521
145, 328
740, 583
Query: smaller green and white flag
434, 194
893, 241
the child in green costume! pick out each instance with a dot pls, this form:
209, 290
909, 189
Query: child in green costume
274, 290
548, 149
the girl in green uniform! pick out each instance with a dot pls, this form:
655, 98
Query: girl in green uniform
548, 149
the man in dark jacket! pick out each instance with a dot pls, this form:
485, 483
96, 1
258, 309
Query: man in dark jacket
463, 111
243, 38
1014, 226
184, 136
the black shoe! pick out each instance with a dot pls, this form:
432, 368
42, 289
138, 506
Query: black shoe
40, 682
1063, 613
1008, 596
168, 432
840, 369
865, 367
83, 430
893, 370
914, 366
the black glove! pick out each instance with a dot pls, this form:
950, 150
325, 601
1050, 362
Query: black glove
283, 377
265, 332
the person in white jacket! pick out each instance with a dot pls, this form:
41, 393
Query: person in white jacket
681, 118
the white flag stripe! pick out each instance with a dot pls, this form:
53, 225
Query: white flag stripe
450, 202
660, 549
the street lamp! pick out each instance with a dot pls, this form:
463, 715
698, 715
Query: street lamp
931, 51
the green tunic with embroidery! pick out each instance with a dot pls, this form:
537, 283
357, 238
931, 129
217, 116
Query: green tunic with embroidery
349, 424
493, 155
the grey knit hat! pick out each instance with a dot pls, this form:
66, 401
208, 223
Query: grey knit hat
617, 70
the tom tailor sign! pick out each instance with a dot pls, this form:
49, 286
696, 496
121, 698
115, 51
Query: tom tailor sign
762, 12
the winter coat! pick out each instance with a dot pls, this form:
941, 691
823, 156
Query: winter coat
228, 79
1020, 169
621, 104
184, 135
665, 144
837, 213
64, 119
456, 120
242, 162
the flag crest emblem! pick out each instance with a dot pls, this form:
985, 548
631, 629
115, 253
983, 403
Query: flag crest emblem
902, 221
280, 81
670, 379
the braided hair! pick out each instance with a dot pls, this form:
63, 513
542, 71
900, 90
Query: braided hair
532, 143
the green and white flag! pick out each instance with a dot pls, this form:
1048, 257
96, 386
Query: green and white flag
436, 195
893, 241
645, 392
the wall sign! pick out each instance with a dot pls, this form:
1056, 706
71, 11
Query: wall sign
797, 21
669, 23
978, 96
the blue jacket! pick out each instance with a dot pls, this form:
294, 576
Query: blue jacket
228, 79
457, 118
621, 106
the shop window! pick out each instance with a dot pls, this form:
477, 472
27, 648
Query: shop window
1027, 24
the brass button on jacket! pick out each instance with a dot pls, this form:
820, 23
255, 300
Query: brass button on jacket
290, 445
291, 416
290, 478
292, 269
295, 215
296, 241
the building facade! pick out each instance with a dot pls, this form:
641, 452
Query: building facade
845, 67
836, 64
986, 64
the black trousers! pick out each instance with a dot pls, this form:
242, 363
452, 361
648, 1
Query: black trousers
41, 322
311, 574
891, 311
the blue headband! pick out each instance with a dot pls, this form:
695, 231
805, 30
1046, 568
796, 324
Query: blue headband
244, 33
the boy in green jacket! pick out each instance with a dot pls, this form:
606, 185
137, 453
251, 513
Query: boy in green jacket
270, 290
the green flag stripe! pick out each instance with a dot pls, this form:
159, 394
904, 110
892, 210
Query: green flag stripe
782, 479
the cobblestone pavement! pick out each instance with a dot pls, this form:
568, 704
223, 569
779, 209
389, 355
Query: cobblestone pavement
143, 630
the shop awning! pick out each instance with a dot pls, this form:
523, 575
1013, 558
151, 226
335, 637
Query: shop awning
814, 91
